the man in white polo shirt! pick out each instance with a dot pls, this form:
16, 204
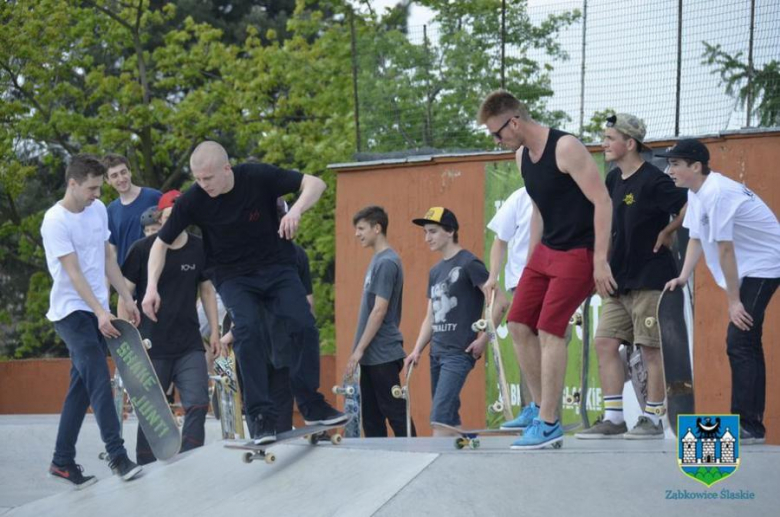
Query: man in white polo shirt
740, 237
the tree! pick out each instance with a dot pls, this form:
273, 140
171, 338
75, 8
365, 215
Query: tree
759, 85
426, 94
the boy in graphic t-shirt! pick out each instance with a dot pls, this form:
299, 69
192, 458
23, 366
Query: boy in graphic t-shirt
455, 301
740, 238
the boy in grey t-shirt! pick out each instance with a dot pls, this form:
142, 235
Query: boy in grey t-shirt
455, 301
378, 346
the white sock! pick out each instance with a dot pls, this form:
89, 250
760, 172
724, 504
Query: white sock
650, 411
613, 409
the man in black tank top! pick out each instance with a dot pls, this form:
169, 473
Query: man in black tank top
570, 228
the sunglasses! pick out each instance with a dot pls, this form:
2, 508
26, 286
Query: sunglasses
497, 134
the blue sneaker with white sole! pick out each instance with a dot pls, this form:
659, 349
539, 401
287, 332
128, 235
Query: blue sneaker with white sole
523, 420
539, 435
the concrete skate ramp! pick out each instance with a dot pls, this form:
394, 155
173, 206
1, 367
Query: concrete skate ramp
427, 476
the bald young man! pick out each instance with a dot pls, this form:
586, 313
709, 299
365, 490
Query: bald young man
251, 261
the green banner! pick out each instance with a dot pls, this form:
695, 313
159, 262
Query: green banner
501, 179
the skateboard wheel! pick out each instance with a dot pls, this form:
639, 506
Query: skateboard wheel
479, 325
247, 457
147, 344
557, 445
498, 407
270, 458
572, 399
474, 444
397, 392
460, 443
576, 319
336, 390
649, 322
350, 390
335, 439
313, 439
103, 456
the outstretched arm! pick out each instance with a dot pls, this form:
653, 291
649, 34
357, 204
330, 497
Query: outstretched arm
311, 190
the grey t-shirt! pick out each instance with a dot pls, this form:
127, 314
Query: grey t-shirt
385, 278
454, 290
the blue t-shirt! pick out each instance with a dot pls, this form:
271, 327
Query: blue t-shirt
124, 221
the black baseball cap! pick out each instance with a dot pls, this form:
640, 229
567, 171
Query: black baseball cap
690, 149
438, 215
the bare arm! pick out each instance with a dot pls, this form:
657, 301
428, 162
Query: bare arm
537, 227
665, 237
311, 189
121, 309
423, 338
692, 256
375, 319
151, 302
497, 254
208, 297
310, 299
574, 159
728, 264
114, 275
70, 263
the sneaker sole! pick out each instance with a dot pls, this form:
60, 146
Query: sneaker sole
331, 421
541, 445
68, 482
581, 436
506, 428
264, 441
132, 473
643, 436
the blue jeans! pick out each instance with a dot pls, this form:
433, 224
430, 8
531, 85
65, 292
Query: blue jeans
746, 356
90, 384
448, 374
190, 376
274, 291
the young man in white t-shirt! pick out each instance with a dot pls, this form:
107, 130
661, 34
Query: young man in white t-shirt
512, 226
79, 257
740, 237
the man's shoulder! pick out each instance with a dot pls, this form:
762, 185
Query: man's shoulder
142, 245
388, 258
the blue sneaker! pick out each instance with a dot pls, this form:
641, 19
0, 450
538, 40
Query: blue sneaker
539, 435
523, 420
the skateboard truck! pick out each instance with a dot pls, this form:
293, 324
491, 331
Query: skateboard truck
344, 390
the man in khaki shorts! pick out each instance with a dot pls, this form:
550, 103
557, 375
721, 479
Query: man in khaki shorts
644, 199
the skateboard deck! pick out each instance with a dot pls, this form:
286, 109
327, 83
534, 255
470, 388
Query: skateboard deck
144, 390
228, 391
402, 392
504, 404
580, 395
469, 438
678, 374
312, 433
350, 390
119, 398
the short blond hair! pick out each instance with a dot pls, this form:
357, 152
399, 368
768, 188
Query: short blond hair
501, 102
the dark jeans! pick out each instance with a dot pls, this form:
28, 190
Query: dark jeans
746, 356
377, 401
90, 384
278, 291
190, 376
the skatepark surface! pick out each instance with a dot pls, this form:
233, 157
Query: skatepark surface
381, 477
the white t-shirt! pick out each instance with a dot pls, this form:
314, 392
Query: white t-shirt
724, 210
85, 234
512, 224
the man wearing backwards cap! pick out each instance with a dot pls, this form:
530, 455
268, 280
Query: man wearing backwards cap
177, 352
740, 238
455, 301
643, 200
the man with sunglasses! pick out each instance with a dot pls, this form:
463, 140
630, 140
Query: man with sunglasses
570, 228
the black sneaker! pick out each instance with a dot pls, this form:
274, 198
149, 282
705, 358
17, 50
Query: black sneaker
123, 467
263, 431
748, 438
325, 415
71, 474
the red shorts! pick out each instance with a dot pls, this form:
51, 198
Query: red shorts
553, 285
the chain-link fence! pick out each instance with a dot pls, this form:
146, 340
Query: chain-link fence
687, 67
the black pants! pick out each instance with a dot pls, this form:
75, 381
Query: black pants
377, 402
746, 356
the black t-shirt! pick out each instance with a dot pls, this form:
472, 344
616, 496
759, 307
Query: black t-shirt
177, 330
240, 228
641, 208
302, 264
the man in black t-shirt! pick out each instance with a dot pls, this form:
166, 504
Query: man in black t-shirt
643, 201
177, 351
251, 260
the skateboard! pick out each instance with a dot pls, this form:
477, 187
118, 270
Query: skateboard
469, 438
350, 390
119, 397
312, 433
678, 374
504, 404
402, 392
580, 395
635, 370
228, 391
144, 390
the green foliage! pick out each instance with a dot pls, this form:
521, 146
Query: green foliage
760, 84
593, 132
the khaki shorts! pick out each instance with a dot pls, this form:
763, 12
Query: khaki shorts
631, 317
